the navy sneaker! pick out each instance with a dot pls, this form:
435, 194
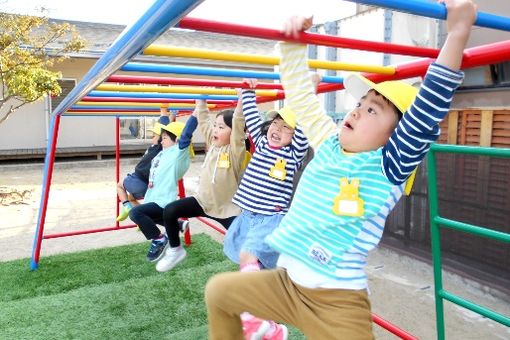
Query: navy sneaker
157, 249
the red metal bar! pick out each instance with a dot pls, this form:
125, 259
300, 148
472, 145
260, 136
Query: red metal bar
117, 166
219, 229
46, 189
182, 194
392, 328
188, 81
306, 38
152, 100
89, 231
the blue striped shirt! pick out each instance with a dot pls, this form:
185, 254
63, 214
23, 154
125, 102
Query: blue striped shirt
318, 247
258, 192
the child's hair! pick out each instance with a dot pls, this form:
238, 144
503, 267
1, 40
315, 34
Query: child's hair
227, 116
272, 116
395, 109
169, 134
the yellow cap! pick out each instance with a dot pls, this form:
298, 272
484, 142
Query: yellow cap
398, 92
156, 128
287, 115
174, 127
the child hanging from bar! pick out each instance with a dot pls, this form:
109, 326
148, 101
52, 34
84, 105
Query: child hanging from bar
167, 168
220, 176
134, 186
340, 206
266, 188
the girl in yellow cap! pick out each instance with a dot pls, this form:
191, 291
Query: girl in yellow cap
166, 169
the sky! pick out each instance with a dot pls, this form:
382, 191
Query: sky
261, 13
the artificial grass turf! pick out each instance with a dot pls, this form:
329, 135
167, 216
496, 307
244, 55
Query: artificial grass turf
109, 293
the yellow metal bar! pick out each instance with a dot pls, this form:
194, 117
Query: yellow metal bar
179, 89
200, 53
170, 105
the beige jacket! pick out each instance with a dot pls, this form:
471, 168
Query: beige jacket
216, 185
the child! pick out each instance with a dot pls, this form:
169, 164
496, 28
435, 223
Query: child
221, 172
134, 186
166, 169
341, 203
266, 188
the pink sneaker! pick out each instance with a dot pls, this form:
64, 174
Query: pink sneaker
255, 328
276, 332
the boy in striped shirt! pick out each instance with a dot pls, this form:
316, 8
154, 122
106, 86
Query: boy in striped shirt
344, 196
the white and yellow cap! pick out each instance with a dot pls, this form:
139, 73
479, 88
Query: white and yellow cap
287, 115
174, 127
398, 92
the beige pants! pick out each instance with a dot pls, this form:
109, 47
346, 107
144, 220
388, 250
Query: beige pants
271, 295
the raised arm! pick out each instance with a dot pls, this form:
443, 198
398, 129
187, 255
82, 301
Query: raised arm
237, 135
204, 123
251, 114
419, 127
187, 132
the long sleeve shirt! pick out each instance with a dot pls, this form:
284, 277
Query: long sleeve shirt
318, 247
168, 167
217, 185
258, 191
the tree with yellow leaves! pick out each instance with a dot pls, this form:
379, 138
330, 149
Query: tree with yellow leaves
29, 47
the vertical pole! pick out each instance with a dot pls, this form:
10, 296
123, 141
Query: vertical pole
117, 166
435, 238
182, 194
49, 162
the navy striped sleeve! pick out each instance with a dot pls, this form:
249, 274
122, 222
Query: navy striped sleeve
419, 127
299, 145
252, 115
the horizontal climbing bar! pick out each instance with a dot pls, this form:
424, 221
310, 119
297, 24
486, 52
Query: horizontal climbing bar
189, 81
200, 53
437, 11
176, 89
306, 38
159, 95
471, 150
208, 71
473, 229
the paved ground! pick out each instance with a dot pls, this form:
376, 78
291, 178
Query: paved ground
83, 197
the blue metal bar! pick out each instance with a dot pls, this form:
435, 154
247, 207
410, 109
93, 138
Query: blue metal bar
437, 11
215, 72
162, 15
124, 107
158, 95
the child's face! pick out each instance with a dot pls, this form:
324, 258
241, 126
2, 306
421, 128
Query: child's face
279, 133
166, 142
221, 132
369, 125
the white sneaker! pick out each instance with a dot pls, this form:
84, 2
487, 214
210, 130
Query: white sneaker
184, 226
172, 257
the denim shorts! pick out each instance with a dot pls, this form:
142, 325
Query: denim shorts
247, 233
135, 185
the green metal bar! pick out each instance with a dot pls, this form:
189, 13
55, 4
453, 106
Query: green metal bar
471, 150
502, 319
436, 221
435, 238
472, 229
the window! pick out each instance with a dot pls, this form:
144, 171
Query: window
67, 85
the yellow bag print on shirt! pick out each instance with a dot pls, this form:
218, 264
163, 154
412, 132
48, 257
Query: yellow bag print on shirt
223, 161
278, 170
348, 202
